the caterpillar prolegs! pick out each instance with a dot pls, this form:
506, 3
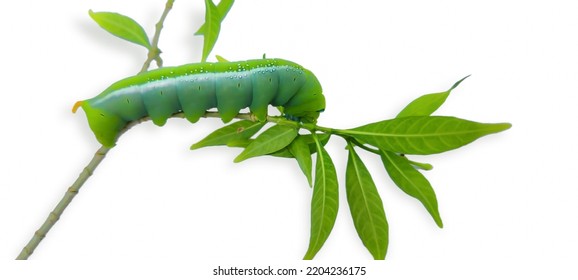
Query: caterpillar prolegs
195, 88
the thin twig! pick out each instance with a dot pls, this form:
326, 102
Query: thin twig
68, 196
71, 192
54, 216
155, 52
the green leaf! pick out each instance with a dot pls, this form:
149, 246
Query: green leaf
212, 28
366, 206
121, 26
240, 130
221, 59
240, 143
411, 182
420, 165
425, 105
324, 202
300, 150
271, 140
423, 135
223, 7
323, 138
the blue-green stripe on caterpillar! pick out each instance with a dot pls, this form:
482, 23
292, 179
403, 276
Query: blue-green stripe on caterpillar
195, 88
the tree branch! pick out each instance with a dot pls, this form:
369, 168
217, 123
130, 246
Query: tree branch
154, 51
54, 216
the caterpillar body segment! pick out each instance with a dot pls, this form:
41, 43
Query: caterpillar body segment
195, 88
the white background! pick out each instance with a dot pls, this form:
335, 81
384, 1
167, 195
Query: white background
155, 209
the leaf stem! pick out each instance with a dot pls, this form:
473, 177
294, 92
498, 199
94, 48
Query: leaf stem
351, 140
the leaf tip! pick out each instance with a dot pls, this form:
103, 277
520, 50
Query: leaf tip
427, 167
459, 82
308, 256
421, 165
503, 126
221, 59
439, 222
239, 158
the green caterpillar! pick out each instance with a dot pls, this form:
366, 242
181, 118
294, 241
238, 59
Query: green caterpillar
194, 88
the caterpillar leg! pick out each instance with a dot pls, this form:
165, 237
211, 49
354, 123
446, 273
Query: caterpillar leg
234, 93
196, 96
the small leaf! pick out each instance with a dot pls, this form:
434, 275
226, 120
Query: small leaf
240, 130
271, 140
324, 202
423, 135
223, 7
300, 150
121, 26
221, 59
420, 165
412, 182
212, 28
425, 105
366, 206
323, 138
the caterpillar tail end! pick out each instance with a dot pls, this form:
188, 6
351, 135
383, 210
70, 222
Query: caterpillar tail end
77, 105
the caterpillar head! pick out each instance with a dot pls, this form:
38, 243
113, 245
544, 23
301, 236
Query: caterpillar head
105, 126
308, 102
